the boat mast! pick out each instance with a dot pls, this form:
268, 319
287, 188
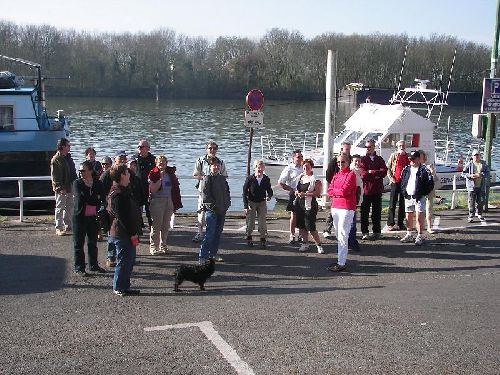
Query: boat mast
400, 76
330, 110
447, 88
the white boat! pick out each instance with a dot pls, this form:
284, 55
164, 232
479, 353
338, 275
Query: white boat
28, 136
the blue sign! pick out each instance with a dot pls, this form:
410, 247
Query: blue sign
491, 95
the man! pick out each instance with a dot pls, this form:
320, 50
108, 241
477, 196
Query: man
288, 181
202, 169
373, 170
416, 184
216, 200
331, 170
395, 165
145, 162
61, 185
476, 172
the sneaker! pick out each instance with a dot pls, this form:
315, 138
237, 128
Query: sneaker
407, 238
481, 218
110, 263
320, 249
366, 236
292, 239
61, 232
389, 228
198, 237
163, 249
128, 292
419, 240
326, 234
300, 239
470, 220
97, 269
304, 247
153, 250
219, 259
337, 268
431, 231
81, 273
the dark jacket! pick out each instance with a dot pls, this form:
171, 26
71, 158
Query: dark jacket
83, 195
424, 182
136, 188
72, 169
125, 222
254, 192
373, 183
154, 175
331, 170
144, 166
107, 182
215, 193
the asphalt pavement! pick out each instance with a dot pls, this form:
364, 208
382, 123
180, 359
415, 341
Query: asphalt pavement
400, 308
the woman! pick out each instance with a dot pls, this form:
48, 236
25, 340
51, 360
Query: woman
90, 156
429, 204
306, 206
165, 199
256, 190
88, 196
125, 226
342, 191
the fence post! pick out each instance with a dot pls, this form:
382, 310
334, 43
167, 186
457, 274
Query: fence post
21, 200
454, 187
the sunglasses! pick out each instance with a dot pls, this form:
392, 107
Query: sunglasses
369, 146
211, 148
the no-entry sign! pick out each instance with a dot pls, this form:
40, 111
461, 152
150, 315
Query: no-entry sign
255, 100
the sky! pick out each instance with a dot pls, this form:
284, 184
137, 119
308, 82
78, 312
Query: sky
468, 20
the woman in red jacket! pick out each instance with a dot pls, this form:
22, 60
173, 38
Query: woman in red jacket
342, 191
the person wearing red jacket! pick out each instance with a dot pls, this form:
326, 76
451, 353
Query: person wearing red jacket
373, 171
342, 191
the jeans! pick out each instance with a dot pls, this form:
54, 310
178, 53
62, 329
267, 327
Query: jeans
475, 202
84, 227
352, 241
210, 244
111, 251
125, 255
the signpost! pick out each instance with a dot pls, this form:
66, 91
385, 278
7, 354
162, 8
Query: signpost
253, 118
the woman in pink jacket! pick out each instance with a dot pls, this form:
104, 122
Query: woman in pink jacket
342, 191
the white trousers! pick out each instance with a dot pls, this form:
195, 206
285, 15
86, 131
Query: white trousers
64, 210
342, 220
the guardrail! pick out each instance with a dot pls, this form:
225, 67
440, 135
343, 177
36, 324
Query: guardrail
21, 198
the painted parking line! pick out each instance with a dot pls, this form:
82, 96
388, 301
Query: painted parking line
224, 348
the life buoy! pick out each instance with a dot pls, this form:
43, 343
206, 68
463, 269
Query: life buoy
460, 164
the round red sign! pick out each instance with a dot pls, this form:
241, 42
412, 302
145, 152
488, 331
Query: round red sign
255, 99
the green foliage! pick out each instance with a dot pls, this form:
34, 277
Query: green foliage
282, 63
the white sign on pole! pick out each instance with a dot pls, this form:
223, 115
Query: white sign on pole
254, 119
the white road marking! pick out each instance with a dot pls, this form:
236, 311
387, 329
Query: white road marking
226, 350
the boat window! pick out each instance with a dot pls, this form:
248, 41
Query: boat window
413, 140
368, 136
6, 117
353, 137
391, 140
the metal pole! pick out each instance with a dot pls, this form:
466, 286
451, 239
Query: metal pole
249, 155
21, 200
330, 110
491, 117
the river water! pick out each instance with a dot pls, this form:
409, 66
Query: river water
180, 129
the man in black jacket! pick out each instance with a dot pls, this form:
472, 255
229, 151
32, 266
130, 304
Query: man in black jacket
416, 184
145, 162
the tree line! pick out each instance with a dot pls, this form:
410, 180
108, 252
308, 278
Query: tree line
284, 64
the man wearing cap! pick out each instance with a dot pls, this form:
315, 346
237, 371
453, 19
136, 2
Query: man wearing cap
416, 184
476, 172
61, 185
395, 165
288, 181
145, 162
373, 170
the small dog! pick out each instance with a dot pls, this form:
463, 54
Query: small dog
198, 274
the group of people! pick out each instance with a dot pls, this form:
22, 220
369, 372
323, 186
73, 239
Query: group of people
120, 190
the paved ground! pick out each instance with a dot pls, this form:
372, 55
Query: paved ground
401, 309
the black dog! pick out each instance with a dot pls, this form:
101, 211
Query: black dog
198, 274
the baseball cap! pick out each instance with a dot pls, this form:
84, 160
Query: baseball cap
414, 155
120, 154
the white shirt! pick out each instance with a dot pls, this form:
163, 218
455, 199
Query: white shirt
412, 181
289, 176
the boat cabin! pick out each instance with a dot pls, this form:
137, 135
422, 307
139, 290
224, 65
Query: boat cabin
386, 124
